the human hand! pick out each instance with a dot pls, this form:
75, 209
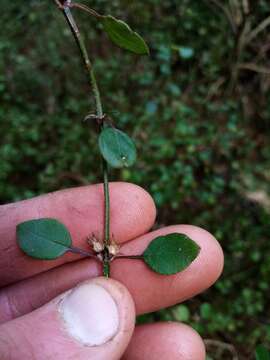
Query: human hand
42, 319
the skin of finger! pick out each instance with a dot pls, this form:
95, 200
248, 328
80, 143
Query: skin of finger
42, 334
82, 211
149, 290
163, 341
27, 295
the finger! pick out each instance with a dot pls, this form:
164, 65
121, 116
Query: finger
146, 287
15, 300
93, 321
163, 341
81, 210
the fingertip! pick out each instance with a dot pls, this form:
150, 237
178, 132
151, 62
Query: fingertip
162, 341
107, 324
192, 347
197, 277
208, 265
211, 255
94, 320
99, 311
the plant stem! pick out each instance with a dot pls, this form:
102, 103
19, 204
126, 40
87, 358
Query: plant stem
82, 252
107, 204
106, 258
89, 68
99, 112
58, 3
135, 257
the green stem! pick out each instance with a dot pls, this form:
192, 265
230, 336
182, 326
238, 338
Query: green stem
134, 257
89, 68
99, 112
106, 261
107, 204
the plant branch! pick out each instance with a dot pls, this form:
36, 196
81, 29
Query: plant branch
89, 68
227, 13
255, 68
65, 7
222, 347
263, 25
58, 3
86, 9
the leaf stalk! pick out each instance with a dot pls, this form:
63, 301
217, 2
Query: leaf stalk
82, 252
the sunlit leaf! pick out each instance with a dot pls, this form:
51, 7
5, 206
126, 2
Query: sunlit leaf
43, 238
122, 35
117, 148
171, 253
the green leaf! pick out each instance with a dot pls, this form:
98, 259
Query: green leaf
262, 353
181, 313
206, 311
45, 239
117, 148
171, 253
122, 35
186, 52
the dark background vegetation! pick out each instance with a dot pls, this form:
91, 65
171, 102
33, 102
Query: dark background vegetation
199, 111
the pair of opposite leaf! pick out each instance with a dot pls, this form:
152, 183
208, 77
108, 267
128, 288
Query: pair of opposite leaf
49, 239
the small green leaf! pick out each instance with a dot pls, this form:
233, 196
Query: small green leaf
171, 253
206, 311
186, 52
262, 353
117, 148
181, 313
122, 35
45, 239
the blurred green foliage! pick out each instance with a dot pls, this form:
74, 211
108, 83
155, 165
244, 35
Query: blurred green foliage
198, 109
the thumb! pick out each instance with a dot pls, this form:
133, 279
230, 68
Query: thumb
95, 320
